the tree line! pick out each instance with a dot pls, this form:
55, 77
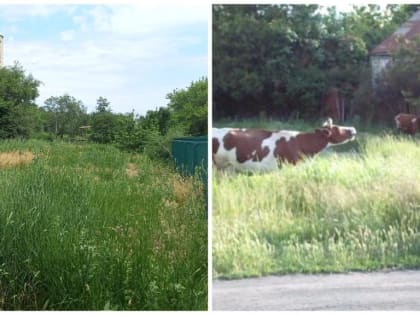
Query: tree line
280, 60
65, 117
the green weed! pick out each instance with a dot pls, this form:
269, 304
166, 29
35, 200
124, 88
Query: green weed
87, 227
356, 208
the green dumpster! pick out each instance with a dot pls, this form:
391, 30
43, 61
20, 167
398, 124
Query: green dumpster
190, 156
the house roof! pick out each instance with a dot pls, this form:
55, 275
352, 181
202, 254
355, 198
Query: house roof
407, 31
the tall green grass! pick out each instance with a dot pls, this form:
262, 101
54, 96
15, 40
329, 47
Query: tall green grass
87, 227
357, 208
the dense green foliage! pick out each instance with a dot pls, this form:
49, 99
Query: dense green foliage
189, 108
280, 60
351, 208
186, 114
18, 113
88, 227
103, 123
63, 116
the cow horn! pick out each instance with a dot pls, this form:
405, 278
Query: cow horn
328, 123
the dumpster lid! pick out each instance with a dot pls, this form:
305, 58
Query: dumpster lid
197, 138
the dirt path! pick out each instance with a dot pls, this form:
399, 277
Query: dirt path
394, 290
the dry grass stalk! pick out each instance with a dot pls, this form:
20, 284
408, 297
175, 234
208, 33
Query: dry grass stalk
15, 158
131, 170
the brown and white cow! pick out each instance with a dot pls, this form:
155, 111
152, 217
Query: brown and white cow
407, 123
262, 150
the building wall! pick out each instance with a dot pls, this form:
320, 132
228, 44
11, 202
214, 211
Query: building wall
378, 65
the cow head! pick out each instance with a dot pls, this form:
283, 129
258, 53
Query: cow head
337, 134
415, 122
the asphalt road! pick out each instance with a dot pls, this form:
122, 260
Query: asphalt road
393, 290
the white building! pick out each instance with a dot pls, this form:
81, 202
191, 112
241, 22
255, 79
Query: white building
381, 55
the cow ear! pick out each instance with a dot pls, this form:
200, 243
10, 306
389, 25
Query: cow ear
328, 123
325, 132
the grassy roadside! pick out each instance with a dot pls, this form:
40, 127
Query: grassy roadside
356, 208
87, 227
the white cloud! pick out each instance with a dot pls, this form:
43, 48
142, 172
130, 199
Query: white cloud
123, 53
101, 18
144, 17
67, 35
17, 12
81, 21
150, 16
128, 72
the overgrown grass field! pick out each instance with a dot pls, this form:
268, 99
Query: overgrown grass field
88, 227
356, 207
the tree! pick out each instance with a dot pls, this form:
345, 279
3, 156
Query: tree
256, 50
159, 120
188, 108
104, 122
18, 92
125, 136
65, 115
280, 60
103, 105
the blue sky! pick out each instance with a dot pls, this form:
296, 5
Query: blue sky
132, 54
